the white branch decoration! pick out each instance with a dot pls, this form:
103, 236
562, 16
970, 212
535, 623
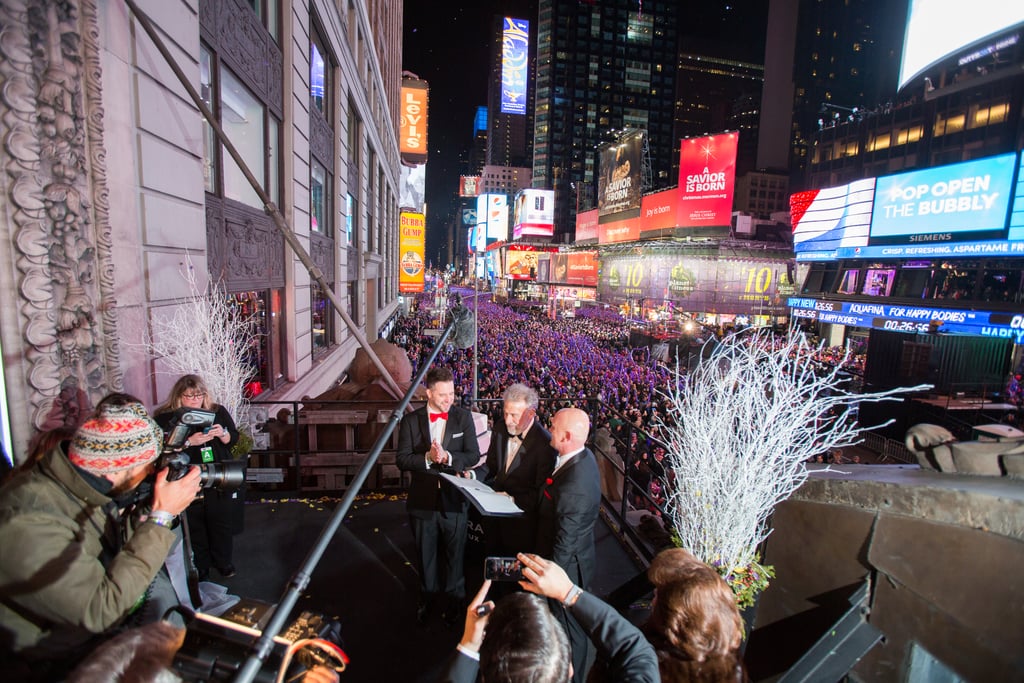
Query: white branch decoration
204, 336
739, 431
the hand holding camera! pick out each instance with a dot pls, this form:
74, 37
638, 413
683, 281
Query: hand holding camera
175, 495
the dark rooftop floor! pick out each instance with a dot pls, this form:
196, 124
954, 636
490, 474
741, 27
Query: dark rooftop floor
367, 579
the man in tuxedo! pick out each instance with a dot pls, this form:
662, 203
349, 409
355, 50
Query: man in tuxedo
439, 437
519, 459
569, 504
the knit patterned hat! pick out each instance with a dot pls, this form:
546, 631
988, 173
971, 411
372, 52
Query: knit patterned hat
118, 438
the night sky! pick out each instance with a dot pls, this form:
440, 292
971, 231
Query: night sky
449, 49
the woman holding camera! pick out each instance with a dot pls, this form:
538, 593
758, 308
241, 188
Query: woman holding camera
218, 515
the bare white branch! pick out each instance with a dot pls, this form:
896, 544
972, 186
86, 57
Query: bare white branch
738, 433
205, 336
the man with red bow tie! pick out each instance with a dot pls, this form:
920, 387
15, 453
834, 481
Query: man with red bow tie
439, 437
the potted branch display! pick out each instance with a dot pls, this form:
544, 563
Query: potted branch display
738, 432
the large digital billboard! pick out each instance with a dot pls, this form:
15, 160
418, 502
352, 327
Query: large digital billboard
412, 186
412, 126
707, 180
937, 29
469, 185
960, 210
515, 62
582, 268
961, 201
411, 239
619, 183
521, 265
586, 225
741, 286
623, 230
659, 211
492, 212
534, 214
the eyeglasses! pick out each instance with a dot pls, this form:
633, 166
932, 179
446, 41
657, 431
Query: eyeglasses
193, 396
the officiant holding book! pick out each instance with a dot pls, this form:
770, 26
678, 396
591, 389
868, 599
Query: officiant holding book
519, 460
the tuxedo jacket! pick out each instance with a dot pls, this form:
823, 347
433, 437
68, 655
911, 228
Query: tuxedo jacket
533, 463
569, 504
426, 492
620, 645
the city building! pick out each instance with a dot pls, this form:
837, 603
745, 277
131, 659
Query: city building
117, 188
601, 67
921, 255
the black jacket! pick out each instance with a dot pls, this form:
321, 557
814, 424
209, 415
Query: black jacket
426, 493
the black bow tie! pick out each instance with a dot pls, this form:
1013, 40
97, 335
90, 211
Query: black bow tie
516, 436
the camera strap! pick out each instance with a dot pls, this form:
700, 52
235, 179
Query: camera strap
191, 573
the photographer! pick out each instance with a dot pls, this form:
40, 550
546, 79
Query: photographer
218, 516
75, 561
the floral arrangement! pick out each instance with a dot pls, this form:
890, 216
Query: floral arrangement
738, 433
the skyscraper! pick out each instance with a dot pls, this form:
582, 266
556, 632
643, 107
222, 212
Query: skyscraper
602, 66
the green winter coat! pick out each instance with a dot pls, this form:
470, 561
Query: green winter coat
66, 571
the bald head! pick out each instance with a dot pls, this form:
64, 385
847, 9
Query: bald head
569, 430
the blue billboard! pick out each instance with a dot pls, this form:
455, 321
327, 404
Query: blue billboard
515, 62
963, 210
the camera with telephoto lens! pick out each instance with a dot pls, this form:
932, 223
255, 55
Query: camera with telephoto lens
225, 476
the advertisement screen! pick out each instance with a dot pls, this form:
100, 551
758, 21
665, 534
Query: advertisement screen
824, 220
878, 282
736, 286
659, 211
411, 238
937, 29
625, 230
707, 180
586, 225
944, 204
469, 185
521, 265
515, 62
954, 211
619, 187
582, 268
412, 186
492, 211
534, 214
412, 126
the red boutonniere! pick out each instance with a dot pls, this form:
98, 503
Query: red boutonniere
547, 483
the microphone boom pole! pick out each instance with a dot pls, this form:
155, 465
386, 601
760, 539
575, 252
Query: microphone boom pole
298, 583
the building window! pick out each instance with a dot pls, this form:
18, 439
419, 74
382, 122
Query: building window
322, 312
269, 12
319, 198
353, 301
320, 69
262, 310
243, 118
350, 219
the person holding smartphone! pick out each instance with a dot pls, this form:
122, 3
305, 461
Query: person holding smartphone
217, 516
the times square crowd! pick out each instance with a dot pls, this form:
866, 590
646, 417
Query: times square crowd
572, 361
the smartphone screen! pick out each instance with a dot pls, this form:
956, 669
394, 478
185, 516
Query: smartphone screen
503, 569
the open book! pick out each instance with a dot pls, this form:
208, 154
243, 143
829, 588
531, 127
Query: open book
485, 499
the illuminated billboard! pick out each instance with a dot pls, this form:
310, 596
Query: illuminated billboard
968, 200
515, 62
937, 29
534, 214
707, 180
412, 186
492, 212
412, 126
737, 286
521, 265
619, 184
624, 230
469, 185
411, 239
660, 211
582, 268
586, 226
953, 211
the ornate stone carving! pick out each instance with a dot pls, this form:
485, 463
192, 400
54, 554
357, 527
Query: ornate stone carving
52, 133
321, 139
237, 34
321, 251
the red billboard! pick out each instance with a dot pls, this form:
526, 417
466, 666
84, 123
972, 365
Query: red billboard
582, 268
707, 179
625, 230
469, 185
586, 225
660, 211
